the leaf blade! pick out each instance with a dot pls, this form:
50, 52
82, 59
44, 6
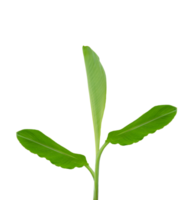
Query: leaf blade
38, 143
154, 119
97, 89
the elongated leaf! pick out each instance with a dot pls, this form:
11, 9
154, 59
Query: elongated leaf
97, 89
38, 143
153, 120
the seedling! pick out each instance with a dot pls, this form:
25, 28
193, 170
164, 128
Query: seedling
153, 120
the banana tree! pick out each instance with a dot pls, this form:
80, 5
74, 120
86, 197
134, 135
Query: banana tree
151, 121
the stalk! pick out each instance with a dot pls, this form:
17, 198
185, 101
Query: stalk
97, 171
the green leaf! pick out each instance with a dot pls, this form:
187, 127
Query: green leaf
97, 89
153, 120
38, 143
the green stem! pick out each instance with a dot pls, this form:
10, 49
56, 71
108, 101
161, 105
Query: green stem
96, 177
90, 170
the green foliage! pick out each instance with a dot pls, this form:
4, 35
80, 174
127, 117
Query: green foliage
153, 120
38, 143
96, 78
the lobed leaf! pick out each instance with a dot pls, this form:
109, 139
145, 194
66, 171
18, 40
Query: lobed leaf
153, 120
40, 144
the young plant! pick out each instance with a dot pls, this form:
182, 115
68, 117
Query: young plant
153, 120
